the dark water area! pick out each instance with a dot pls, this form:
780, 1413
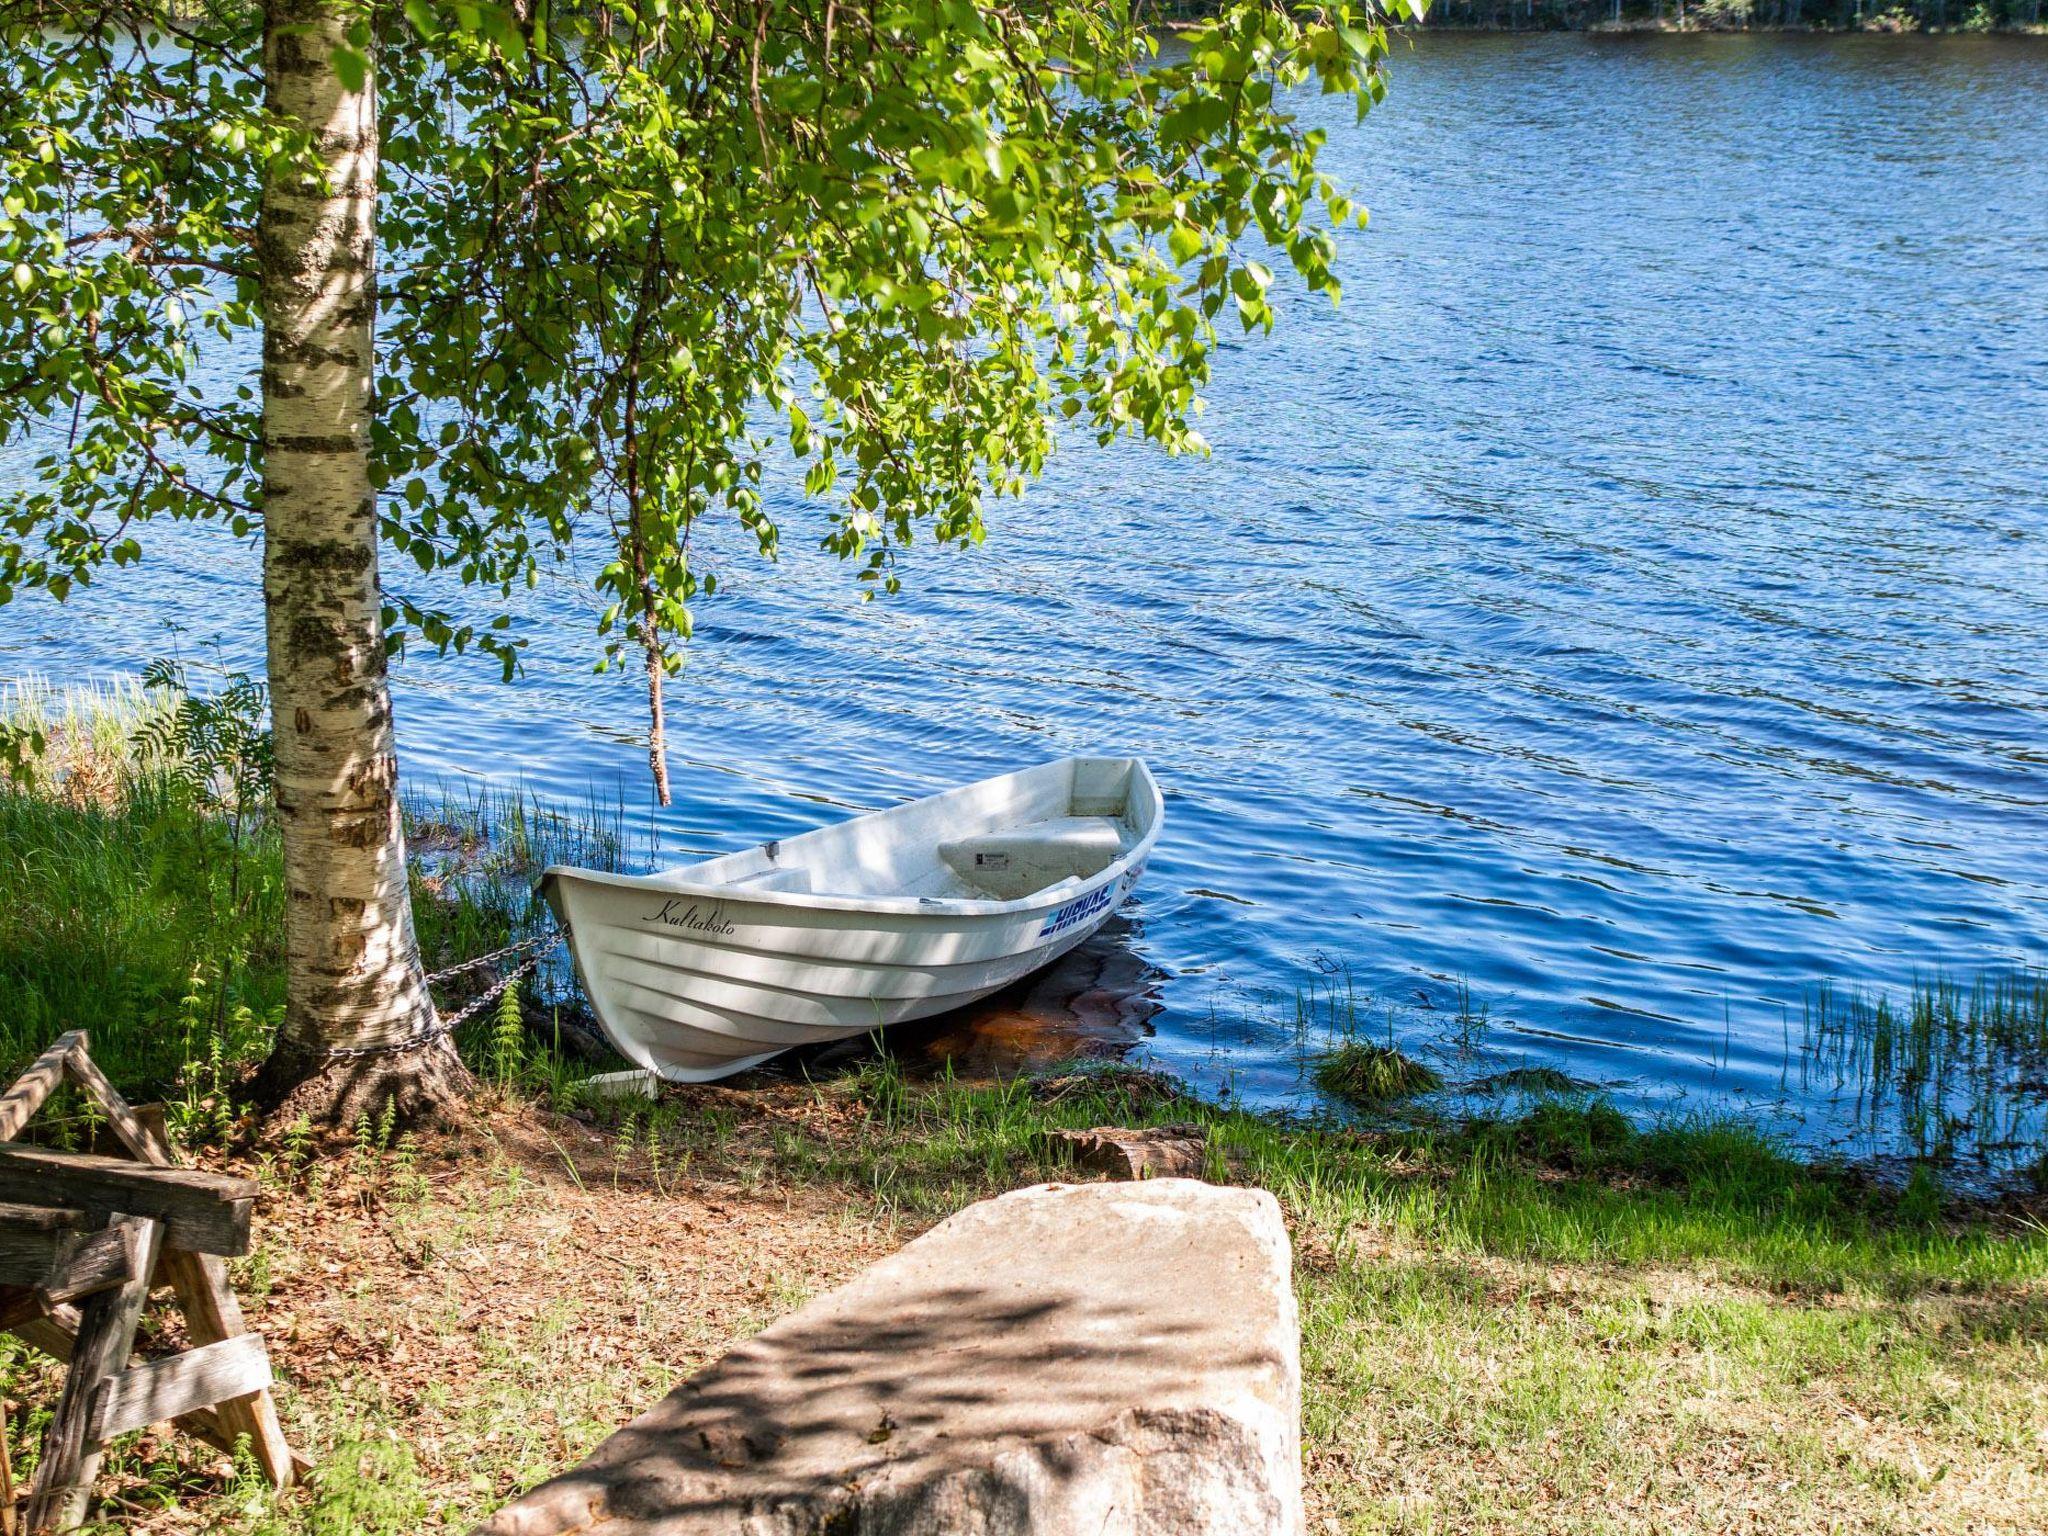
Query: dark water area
1624, 613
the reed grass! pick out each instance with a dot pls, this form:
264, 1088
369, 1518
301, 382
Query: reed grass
1956, 1074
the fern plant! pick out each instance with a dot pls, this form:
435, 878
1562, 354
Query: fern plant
216, 748
508, 1035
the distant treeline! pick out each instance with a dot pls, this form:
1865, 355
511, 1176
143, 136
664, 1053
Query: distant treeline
1712, 15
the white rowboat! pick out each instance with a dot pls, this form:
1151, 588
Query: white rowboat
703, 971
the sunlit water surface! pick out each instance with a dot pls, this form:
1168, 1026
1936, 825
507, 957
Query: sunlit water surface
1624, 612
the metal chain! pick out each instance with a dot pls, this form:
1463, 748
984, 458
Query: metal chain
517, 946
539, 944
490, 994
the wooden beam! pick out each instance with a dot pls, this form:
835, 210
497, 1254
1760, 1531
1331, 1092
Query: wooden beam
212, 1314
19, 1305
106, 1337
129, 1127
43, 1218
202, 1212
53, 1332
175, 1385
55, 1335
37, 1083
44, 1252
9, 1523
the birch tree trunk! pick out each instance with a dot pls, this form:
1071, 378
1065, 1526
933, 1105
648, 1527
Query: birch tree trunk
354, 969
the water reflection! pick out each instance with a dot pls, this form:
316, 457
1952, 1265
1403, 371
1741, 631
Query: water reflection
1094, 1004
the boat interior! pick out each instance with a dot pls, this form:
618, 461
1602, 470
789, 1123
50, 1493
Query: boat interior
999, 840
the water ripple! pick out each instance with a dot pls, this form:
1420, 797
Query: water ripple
1624, 611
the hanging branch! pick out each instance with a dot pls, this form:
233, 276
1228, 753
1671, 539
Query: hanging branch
637, 533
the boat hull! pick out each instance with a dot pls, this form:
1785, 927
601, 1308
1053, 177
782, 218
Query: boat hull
699, 981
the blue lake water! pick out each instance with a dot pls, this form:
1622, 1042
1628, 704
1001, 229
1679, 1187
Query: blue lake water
1627, 609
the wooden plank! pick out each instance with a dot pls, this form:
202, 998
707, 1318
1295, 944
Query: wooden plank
212, 1313
177, 1384
106, 1337
129, 1128
49, 1257
55, 1334
37, 1083
202, 1212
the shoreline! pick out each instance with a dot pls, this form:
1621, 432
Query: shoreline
1896, 1089
1890, 24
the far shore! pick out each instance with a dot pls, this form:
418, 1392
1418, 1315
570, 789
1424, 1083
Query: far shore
1887, 24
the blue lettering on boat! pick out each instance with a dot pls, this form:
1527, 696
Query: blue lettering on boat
1075, 911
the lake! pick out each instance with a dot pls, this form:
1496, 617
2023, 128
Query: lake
1623, 614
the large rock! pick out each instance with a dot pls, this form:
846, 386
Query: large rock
1107, 1359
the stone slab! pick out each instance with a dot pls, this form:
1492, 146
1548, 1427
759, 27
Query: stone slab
1114, 1359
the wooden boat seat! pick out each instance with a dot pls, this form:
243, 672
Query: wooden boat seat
1019, 861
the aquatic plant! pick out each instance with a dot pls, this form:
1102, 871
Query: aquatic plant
1954, 1073
1529, 1080
1360, 1072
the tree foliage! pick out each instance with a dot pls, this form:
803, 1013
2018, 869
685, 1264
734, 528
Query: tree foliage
638, 259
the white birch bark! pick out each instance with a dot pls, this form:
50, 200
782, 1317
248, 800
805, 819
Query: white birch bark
355, 977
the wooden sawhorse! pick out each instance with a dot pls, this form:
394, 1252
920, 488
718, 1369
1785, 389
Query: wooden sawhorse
83, 1240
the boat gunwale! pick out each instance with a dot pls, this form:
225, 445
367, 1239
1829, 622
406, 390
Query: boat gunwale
909, 906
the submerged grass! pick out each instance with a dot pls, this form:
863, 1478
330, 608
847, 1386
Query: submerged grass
1360, 1072
1956, 1073
1351, 1069
1556, 1319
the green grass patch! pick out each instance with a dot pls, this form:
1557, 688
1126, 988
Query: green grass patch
1359, 1072
142, 900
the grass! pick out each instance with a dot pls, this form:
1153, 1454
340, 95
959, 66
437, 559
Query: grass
131, 907
1958, 1073
1360, 1072
125, 911
1553, 1319
1556, 1321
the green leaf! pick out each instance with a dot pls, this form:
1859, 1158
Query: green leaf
352, 66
